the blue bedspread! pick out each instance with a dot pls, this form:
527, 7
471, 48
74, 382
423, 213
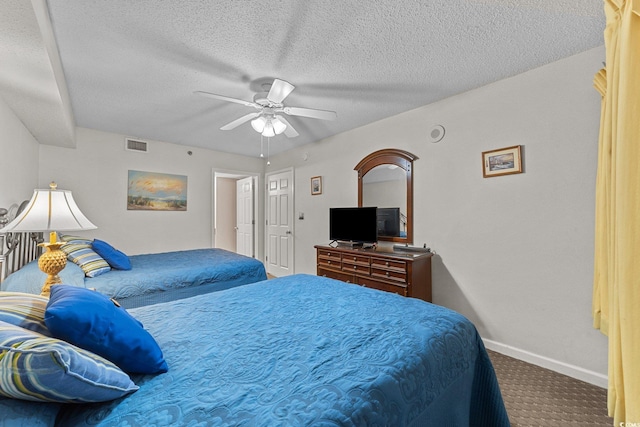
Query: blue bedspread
154, 278
181, 273
307, 351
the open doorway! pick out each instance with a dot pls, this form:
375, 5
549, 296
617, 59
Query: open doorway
235, 208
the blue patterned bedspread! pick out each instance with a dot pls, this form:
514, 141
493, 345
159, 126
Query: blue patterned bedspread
307, 351
154, 278
162, 272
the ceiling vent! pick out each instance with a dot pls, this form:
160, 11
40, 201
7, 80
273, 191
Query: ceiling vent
136, 145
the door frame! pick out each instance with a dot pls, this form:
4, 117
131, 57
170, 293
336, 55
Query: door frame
257, 211
266, 215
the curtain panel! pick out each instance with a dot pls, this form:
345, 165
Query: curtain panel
616, 287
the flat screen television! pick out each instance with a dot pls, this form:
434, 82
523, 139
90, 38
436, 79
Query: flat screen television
389, 222
356, 225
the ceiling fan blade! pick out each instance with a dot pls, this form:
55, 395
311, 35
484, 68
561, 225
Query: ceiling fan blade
290, 132
308, 112
228, 99
237, 122
280, 89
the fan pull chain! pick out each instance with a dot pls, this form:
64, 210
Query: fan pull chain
268, 149
261, 146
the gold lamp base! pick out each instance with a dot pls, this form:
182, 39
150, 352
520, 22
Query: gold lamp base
51, 262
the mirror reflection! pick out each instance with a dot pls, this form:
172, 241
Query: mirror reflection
384, 186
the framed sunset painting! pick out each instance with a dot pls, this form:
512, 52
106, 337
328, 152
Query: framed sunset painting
152, 191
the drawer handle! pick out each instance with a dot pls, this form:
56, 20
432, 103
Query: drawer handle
387, 265
387, 273
329, 262
355, 267
355, 259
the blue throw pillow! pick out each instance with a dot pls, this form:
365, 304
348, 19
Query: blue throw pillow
114, 257
92, 321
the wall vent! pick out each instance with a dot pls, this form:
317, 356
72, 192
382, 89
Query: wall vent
136, 145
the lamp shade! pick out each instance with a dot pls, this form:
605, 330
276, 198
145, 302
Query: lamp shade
268, 130
50, 210
278, 126
258, 124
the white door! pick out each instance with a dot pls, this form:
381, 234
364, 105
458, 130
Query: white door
280, 223
244, 216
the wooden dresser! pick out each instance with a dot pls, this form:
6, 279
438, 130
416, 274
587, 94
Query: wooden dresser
404, 273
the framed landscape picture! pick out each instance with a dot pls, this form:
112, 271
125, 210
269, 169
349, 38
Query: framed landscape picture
151, 191
504, 161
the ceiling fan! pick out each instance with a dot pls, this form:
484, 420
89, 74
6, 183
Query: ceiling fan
268, 120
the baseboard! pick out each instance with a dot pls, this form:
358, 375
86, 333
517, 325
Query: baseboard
545, 362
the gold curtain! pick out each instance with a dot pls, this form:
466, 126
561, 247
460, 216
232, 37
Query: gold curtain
616, 287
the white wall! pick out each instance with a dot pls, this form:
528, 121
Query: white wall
514, 253
18, 159
96, 172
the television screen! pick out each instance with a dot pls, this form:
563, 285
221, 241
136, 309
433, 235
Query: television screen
389, 222
353, 224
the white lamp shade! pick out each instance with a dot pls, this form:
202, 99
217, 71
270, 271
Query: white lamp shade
278, 126
258, 124
50, 210
268, 130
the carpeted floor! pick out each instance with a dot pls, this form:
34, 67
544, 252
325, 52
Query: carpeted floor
536, 396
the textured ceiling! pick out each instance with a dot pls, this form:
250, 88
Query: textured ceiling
31, 78
131, 67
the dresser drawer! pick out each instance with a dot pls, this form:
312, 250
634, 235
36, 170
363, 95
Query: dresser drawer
399, 288
328, 254
388, 264
356, 268
395, 275
332, 274
329, 263
356, 259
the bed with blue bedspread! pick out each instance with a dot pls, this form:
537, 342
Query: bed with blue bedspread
299, 351
153, 278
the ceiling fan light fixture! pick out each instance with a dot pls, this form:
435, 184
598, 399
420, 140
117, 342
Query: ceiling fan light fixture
258, 124
278, 126
269, 103
268, 130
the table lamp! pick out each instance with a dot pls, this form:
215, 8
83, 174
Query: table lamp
50, 210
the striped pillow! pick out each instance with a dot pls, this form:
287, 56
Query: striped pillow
38, 368
79, 251
24, 310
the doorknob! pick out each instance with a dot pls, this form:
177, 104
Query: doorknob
288, 232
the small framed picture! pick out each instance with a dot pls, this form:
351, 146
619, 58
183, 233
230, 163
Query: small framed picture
316, 185
504, 161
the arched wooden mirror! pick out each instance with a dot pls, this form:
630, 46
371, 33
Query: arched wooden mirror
385, 181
